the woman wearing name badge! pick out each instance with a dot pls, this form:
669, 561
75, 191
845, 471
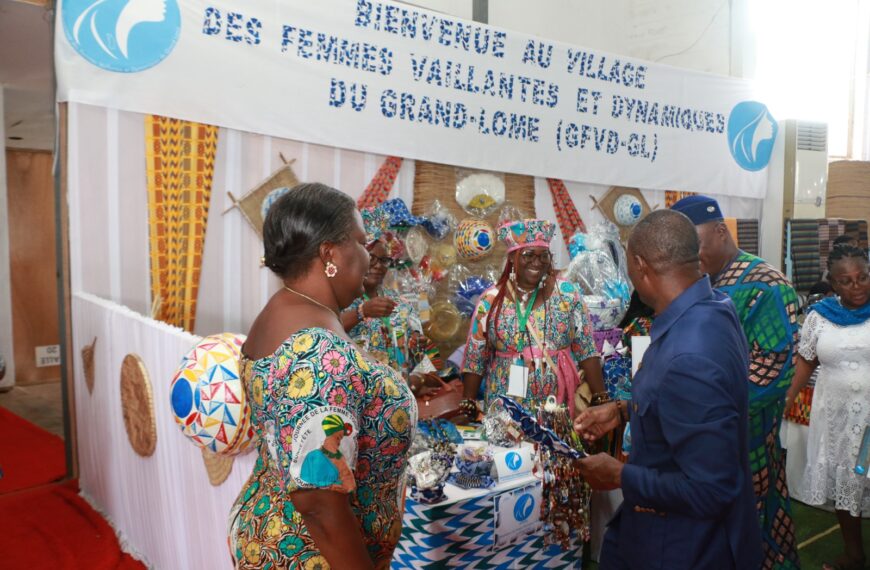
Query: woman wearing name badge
531, 331
835, 339
383, 322
334, 426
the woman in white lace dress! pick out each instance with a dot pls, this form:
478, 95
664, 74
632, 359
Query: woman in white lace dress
835, 338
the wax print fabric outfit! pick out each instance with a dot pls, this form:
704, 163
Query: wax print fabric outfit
767, 307
563, 321
314, 382
840, 412
394, 339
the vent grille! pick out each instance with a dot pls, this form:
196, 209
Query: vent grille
812, 136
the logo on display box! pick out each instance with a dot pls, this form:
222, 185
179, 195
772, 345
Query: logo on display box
511, 464
513, 460
751, 134
122, 35
516, 514
524, 507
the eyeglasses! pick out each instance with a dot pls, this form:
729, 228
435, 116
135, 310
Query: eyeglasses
529, 256
377, 259
861, 281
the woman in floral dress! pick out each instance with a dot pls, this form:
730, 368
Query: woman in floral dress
334, 426
385, 323
527, 314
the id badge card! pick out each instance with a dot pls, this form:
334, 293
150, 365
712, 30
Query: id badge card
518, 379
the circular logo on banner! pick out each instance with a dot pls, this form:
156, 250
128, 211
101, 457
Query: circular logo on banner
122, 35
513, 460
523, 507
751, 134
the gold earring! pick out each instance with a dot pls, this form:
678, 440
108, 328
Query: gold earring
331, 269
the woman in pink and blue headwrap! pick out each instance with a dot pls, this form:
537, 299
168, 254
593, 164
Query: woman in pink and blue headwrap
530, 319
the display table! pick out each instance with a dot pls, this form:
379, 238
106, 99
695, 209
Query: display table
476, 528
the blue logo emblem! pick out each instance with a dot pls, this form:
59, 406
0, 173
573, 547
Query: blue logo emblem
122, 35
751, 134
523, 507
513, 460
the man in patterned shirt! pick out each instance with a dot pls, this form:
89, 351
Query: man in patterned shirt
767, 306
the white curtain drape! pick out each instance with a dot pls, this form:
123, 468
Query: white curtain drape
163, 505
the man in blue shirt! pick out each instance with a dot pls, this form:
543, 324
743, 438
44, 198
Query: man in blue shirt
689, 502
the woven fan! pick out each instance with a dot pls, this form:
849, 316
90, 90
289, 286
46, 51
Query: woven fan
251, 203
623, 206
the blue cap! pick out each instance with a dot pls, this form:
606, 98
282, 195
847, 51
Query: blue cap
699, 209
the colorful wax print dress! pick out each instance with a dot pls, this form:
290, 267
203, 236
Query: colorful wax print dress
396, 340
563, 321
326, 418
767, 307
840, 413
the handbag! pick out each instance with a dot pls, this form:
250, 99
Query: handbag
583, 394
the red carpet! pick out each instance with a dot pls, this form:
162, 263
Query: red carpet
52, 527
29, 455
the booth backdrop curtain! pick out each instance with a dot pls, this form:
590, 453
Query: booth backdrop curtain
163, 506
108, 201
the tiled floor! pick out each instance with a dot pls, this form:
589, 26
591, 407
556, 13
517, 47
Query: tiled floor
40, 404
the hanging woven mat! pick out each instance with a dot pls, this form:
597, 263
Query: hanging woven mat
137, 403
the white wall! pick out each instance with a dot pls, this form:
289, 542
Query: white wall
693, 34
5, 277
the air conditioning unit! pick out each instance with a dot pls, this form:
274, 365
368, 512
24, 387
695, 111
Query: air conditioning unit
797, 180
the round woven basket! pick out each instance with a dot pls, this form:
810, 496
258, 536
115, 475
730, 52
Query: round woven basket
137, 403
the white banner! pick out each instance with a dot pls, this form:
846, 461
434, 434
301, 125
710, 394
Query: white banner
397, 80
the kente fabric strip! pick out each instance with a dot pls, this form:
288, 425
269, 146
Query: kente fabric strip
767, 307
180, 165
314, 389
381, 185
563, 321
799, 412
567, 216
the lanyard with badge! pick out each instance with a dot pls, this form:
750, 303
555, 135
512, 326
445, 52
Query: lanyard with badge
518, 378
